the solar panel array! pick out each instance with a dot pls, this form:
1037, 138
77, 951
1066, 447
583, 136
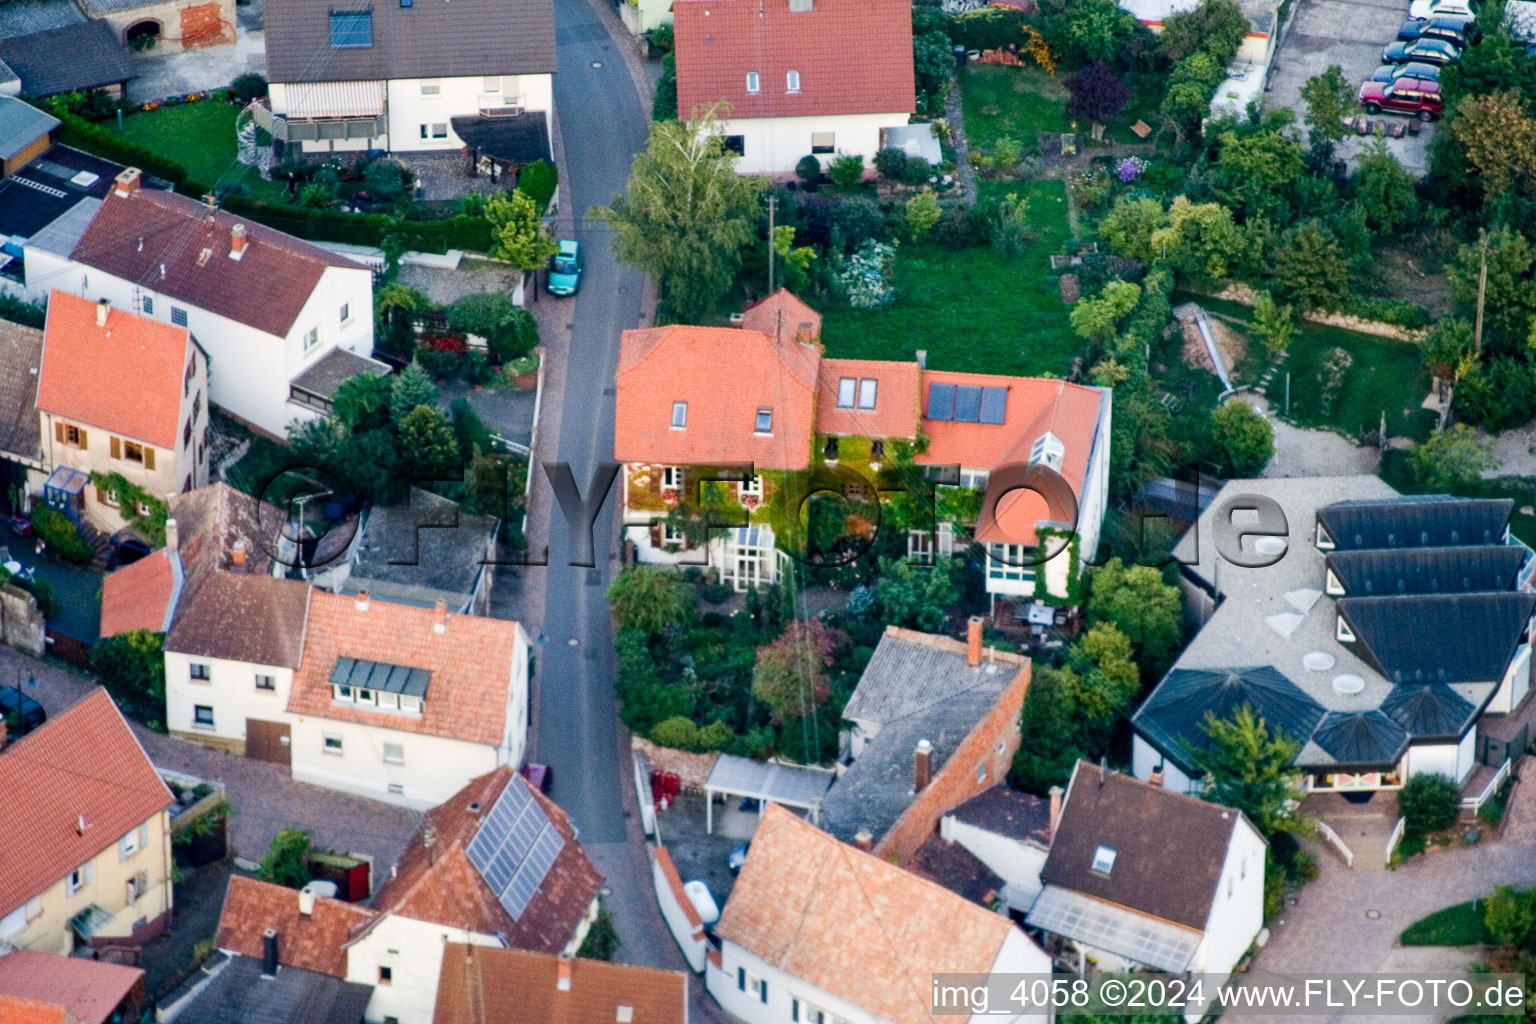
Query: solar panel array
966, 403
515, 848
1113, 929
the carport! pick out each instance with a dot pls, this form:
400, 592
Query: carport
790, 785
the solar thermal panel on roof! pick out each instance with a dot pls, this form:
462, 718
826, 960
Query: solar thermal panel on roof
941, 401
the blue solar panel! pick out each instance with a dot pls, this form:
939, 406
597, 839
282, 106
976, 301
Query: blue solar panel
994, 403
515, 847
941, 401
967, 404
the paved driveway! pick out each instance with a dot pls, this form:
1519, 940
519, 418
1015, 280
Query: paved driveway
1349, 33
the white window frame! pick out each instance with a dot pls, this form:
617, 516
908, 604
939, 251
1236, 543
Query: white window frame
331, 744
1049, 450
672, 476
1000, 569
791, 81
868, 389
754, 83
394, 753
758, 427
1104, 860
197, 721
431, 88
679, 415
751, 487
199, 671
178, 316
346, 313
975, 479
270, 678
847, 392
147, 305
311, 339
78, 879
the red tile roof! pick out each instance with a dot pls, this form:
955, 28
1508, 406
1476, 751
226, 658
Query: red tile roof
470, 662
315, 941
798, 320
896, 399
83, 763
853, 56
441, 886
725, 375
16, 1010
87, 370
89, 989
513, 986
266, 288
138, 596
852, 924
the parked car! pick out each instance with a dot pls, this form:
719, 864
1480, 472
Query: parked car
1413, 69
1423, 10
1424, 51
1416, 97
565, 268
26, 711
124, 548
1451, 28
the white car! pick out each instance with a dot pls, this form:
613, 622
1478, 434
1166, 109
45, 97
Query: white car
1422, 10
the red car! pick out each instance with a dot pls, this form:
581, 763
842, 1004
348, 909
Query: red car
1405, 96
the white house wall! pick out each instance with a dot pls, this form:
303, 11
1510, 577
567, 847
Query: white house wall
773, 145
433, 768
413, 952
1145, 759
457, 97
1237, 912
1453, 760
721, 983
230, 691
1016, 862
1018, 955
1516, 683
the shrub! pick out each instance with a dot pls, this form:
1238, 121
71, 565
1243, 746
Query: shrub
865, 277
60, 536
661, 38
808, 169
716, 736
991, 28
664, 102
960, 227
1429, 802
247, 87
287, 860
860, 217
538, 182
890, 163
676, 732
916, 172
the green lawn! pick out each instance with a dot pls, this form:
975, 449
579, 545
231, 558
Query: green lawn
201, 137
972, 309
1020, 102
1461, 925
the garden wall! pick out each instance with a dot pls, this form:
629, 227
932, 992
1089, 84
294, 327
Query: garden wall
21, 624
677, 909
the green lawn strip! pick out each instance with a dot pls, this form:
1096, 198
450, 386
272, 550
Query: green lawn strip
1461, 925
973, 309
1018, 103
201, 137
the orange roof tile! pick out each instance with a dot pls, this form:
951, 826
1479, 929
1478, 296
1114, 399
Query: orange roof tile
16, 1010
896, 399
85, 369
89, 989
799, 321
138, 596
725, 375
82, 763
513, 986
314, 941
470, 662
853, 57
851, 924
441, 886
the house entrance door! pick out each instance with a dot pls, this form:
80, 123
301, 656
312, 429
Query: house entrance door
267, 741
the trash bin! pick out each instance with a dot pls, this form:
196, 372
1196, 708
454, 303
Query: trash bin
959, 52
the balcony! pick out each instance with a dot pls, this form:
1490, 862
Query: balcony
494, 104
293, 129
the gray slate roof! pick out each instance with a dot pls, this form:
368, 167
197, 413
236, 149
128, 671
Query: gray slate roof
1175, 713
21, 353
421, 552
373, 675
430, 39
1450, 570
238, 994
1362, 738
1444, 638
86, 55
1007, 812
1417, 522
23, 19
21, 125
335, 366
1431, 710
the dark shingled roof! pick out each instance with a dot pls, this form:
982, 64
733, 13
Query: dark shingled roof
1175, 713
1008, 812
1428, 710
83, 56
421, 552
1169, 847
1421, 522
243, 617
426, 40
521, 139
371, 675
21, 125
955, 868
1454, 570
1361, 738
238, 994
21, 353
337, 365
1453, 638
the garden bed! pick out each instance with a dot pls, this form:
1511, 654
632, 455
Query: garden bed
1019, 103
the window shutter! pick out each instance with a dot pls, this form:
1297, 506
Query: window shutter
656, 472
58, 431
116, 444
741, 979
762, 990
149, 457
82, 439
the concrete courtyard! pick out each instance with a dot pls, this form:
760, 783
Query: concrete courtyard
1351, 34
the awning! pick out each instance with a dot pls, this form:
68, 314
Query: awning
90, 921
1114, 929
786, 784
516, 140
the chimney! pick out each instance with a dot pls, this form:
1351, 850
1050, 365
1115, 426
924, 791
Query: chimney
237, 241
127, 181
80, 825
269, 953
103, 307
738, 319
922, 764
1155, 776
1055, 792
563, 975
172, 536
237, 554
922, 358
864, 840
973, 639
440, 617
306, 901
362, 600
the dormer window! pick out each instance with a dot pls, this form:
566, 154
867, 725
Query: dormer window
1104, 860
764, 421
1343, 633
754, 82
791, 81
1333, 586
1049, 450
867, 393
1323, 541
679, 415
845, 392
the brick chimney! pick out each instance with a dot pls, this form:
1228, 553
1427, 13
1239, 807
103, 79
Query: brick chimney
922, 766
237, 554
440, 617
563, 975
1055, 792
362, 600
103, 307
1155, 776
269, 953
127, 181
973, 629
864, 840
237, 241
172, 535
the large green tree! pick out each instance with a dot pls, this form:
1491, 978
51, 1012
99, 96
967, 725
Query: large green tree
1137, 601
1246, 765
1509, 291
648, 599
1329, 99
917, 597
132, 668
1385, 191
428, 446
412, 387
1201, 240
1309, 267
791, 675
518, 235
1243, 440
1450, 459
685, 216
1219, 26
287, 859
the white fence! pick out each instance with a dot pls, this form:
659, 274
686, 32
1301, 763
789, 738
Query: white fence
1473, 804
1397, 836
1337, 843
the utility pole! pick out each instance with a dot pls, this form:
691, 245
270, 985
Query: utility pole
1482, 288
773, 249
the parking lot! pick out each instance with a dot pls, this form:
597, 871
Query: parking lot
1351, 34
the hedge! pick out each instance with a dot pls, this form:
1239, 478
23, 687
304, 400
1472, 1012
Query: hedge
74, 130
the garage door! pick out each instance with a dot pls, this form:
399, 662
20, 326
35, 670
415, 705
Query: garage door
267, 741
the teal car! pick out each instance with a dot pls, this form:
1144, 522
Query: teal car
565, 268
